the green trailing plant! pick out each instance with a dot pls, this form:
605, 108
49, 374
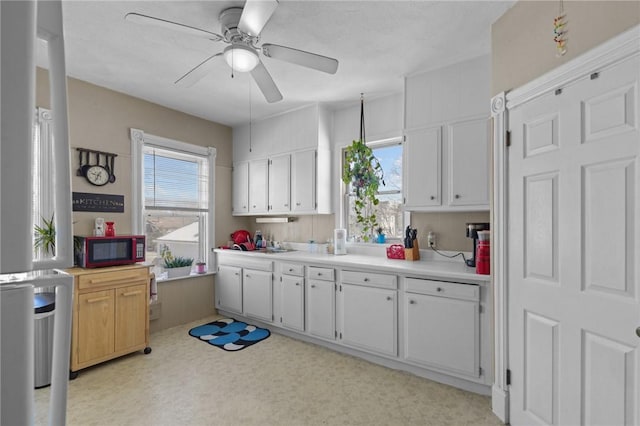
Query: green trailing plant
45, 236
177, 262
363, 171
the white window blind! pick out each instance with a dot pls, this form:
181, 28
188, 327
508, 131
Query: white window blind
175, 180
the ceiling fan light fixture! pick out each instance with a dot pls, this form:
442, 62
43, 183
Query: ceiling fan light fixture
240, 57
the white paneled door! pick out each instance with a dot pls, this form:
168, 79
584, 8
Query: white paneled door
574, 253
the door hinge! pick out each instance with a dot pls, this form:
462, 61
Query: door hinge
272, 317
480, 309
508, 138
508, 377
340, 287
335, 333
404, 138
480, 371
594, 75
340, 335
280, 319
280, 279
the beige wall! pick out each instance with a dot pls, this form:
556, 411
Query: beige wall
522, 38
100, 119
448, 227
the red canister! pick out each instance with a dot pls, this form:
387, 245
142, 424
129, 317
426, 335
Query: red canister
483, 258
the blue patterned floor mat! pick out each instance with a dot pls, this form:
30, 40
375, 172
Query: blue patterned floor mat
229, 334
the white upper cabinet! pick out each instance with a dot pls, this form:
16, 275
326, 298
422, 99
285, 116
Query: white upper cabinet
468, 163
297, 147
280, 184
447, 144
422, 162
258, 186
240, 178
303, 181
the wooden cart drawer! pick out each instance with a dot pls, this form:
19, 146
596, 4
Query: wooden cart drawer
110, 278
444, 289
292, 269
373, 279
326, 274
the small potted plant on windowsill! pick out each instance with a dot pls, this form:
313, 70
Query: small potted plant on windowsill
381, 237
178, 266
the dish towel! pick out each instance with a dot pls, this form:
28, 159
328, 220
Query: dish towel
153, 289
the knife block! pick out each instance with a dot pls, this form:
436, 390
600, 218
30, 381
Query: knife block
412, 253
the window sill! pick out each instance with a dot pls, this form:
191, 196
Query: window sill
186, 277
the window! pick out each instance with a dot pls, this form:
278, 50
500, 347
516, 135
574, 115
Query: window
42, 184
174, 188
389, 211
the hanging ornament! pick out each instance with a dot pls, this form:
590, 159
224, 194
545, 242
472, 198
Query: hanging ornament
560, 31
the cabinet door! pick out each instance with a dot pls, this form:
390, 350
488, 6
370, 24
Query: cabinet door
280, 184
443, 333
256, 294
258, 186
292, 302
369, 318
95, 325
303, 182
240, 184
229, 288
468, 163
131, 316
422, 168
321, 308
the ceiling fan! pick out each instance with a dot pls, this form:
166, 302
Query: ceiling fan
241, 30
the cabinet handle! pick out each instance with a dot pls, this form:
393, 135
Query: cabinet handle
286, 205
254, 206
98, 299
366, 280
297, 283
290, 269
113, 279
313, 286
246, 276
432, 197
297, 204
638, 331
389, 298
457, 196
439, 289
319, 274
236, 274
131, 293
412, 302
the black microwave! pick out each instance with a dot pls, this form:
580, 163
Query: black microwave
95, 252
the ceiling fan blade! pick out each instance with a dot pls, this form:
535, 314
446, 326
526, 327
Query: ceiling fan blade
198, 72
300, 57
139, 18
265, 83
255, 15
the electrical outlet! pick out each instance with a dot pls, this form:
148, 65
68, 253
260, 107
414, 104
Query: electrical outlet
431, 239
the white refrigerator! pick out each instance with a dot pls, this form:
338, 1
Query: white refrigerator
24, 24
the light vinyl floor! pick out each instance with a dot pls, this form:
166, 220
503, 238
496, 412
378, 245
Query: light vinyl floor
279, 381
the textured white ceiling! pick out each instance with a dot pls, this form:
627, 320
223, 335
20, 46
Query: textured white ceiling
376, 42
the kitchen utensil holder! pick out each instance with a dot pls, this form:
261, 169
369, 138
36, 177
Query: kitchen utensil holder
412, 253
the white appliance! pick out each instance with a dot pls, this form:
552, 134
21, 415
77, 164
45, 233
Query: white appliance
98, 229
340, 241
25, 24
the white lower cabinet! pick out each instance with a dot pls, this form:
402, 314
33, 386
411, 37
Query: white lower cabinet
321, 303
368, 315
442, 326
292, 302
229, 288
257, 293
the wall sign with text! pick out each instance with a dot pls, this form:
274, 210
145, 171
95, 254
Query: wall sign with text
87, 202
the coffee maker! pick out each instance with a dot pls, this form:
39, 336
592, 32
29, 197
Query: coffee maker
472, 232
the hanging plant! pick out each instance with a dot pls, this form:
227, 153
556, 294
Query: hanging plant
363, 171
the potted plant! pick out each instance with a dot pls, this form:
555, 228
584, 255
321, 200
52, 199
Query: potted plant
45, 236
381, 236
177, 266
363, 171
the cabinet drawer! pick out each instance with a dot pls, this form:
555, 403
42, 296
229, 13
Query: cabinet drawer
111, 278
443, 289
372, 279
292, 269
325, 274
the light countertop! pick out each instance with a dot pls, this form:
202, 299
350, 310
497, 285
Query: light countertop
426, 267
